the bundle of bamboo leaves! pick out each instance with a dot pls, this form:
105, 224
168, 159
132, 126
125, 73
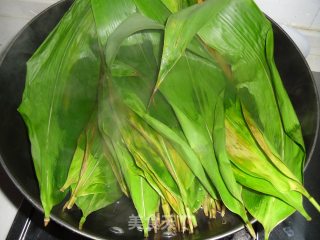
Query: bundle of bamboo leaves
176, 104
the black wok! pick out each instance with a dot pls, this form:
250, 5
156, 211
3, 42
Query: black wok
15, 154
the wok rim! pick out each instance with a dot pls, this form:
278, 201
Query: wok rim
62, 222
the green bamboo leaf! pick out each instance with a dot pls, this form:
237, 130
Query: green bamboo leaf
153, 9
144, 197
196, 192
126, 86
168, 167
114, 164
158, 12
62, 80
294, 145
151, 145
225, 27
190, 188
90, 176
120, 69
176, 5
253, 87
199, 108
163, 179
257, 184
112, 118
181, 29
108, 14
151, 159
124, 30
293, 181
134, 23
176, 40
138, 140
126, 55
246, 154
175, 139
273, 191
268, 210
173, 5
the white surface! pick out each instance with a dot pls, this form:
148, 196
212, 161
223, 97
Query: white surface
9, 26
295, 13
300, 40
8, 212
316, 22
304, 16
313, 58
21, 9
14, 14
10, 199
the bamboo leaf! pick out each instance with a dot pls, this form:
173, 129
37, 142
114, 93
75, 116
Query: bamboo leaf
190, 188
126, 55
257, 173
268, 210
124, 30
220, 126
263, 186
225, 27
60, 94
181, 29
114, 164
176, 5
93, 183
199, 109
246, 154
112, 122
140, 145
253, 87
294, 145
173, 5
153, 9
134, 23
144, 197
163, 162
108, 14
178, 142
151, 157
161, 15
176, 40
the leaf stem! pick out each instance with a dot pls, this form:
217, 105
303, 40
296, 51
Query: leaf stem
314, 203
46, 221
71, 201
189, 219
82, 221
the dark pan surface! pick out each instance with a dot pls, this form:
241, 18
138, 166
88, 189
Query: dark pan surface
15, 153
